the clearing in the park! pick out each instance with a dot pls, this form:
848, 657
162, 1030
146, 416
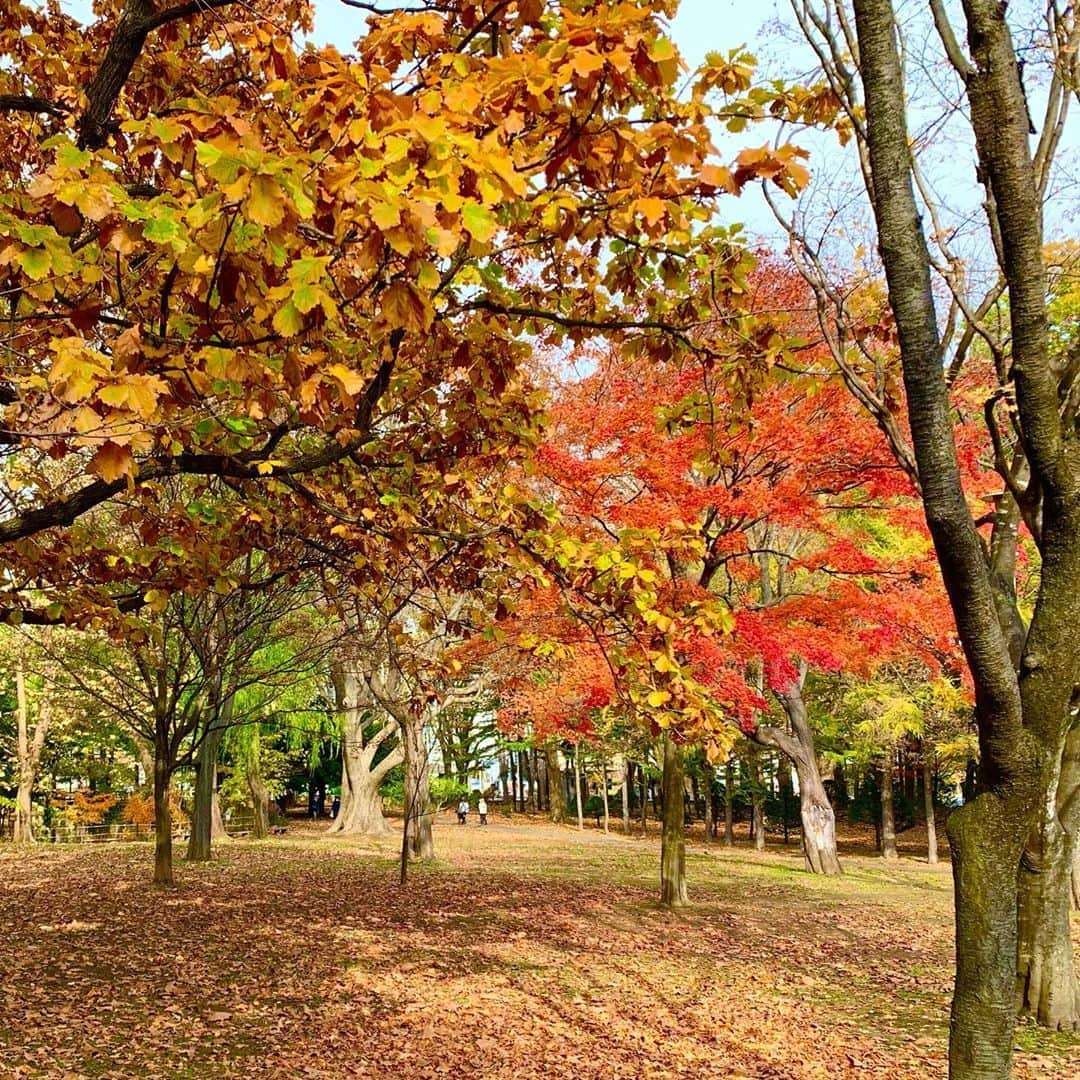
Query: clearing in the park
525, 951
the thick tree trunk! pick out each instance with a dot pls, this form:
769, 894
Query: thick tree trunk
260, 802
360, 813
673, 891
986, 852
928, 796
729, 804
556, 791
888, 817
163, 852
1046, 986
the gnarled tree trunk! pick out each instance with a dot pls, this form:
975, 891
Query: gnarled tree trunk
361, 812
673, 891
815, 810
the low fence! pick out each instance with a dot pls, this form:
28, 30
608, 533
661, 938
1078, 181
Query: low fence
122, 832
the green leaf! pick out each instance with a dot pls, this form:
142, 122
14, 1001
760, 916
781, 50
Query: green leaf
37, 263
479, 220
288, 321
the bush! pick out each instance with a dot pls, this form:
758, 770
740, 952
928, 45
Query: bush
90, 808
138, 810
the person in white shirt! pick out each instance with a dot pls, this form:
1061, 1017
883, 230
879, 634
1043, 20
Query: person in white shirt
481, 808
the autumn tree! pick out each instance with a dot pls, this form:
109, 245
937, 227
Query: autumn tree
1025, 669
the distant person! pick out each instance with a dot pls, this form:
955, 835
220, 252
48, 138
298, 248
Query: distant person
335, 807
462, 811
481, 809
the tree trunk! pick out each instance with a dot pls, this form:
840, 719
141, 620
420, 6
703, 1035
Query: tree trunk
419, 841
729, 804
710, 776
577, 788
1047, 987
28, 755
360, 813
202, 809
986, 852
504, 779
757, 801
673, 892
604, 781
928, 796
556, 791
644, 803
260, 803
888, 818
628, 779
537, 786
163, 860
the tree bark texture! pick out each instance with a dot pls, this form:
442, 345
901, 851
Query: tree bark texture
673, 892
888, 813
556, 790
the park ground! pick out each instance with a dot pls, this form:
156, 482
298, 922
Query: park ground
525, 951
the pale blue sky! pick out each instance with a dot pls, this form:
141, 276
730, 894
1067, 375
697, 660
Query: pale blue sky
701, 25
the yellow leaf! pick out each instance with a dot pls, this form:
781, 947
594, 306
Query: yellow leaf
651, 209
352, 382
658, 698
265, 206
112, 461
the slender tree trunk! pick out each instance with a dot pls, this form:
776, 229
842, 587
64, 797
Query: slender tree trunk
604, 780
729, 804
556, 799
928, 797
537, 785
23, 831
577, 788
420, 843
673, 891
628, 779
710, 777
644, 803
202, 809
163, 850
28, 755
888, 818
504, 778
757, 801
